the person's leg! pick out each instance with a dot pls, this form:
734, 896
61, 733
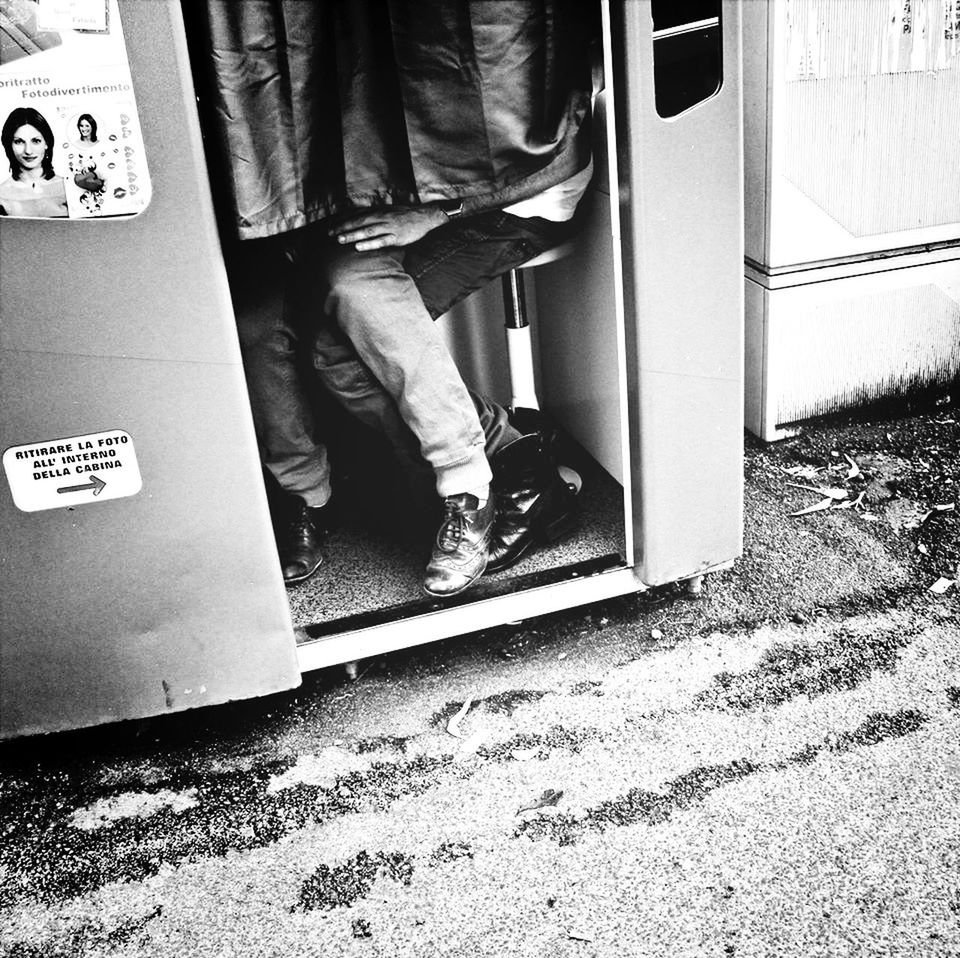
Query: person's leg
271, 342
533, 502
446, 266
388, 320
350, 383
372, 302
347, 379
455, 260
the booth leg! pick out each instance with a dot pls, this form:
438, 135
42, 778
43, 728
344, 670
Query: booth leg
695, 585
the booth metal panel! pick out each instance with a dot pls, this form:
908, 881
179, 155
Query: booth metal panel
171, 597
681, 228
833, 343
680, 195
844, 99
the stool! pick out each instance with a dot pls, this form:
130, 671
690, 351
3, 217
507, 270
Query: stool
523, 393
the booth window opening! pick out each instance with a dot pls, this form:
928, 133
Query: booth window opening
687, 55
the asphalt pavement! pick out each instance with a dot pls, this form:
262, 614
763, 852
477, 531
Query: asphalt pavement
770, 768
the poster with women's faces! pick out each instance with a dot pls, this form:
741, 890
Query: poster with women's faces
72, 146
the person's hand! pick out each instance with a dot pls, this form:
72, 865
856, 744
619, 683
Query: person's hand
390, 227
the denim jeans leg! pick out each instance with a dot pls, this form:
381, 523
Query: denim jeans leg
272, 343
376, 304
345, 377
463, 256
495, 423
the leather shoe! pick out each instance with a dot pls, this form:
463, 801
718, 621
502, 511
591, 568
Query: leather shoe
534, 504
460, 549
300, 540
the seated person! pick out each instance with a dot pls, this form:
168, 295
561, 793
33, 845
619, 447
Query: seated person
382, 280
432, 146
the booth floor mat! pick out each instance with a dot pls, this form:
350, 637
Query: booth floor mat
367, 571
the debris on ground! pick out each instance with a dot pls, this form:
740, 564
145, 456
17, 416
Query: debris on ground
854, 470
818, 507
549, 797
874, 479
453, 726
904, 491
851, 503
829, 492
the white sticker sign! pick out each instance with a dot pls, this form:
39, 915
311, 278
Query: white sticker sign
59, 473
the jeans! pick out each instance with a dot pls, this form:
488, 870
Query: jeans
275, 345
368, 321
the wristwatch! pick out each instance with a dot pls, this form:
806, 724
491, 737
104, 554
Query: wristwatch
451, 208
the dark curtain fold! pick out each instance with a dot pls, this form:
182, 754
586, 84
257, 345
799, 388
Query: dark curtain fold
323, 106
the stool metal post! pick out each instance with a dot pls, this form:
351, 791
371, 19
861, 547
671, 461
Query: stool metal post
523, 394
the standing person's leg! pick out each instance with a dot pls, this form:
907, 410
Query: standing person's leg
273, 348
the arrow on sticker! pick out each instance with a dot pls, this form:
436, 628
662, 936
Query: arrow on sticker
95, 483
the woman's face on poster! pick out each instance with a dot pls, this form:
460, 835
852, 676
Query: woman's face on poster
85, 129
29, 147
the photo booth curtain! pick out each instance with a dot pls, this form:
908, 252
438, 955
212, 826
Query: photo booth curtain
326, 106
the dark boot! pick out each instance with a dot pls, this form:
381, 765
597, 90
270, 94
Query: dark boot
533, 503
300, 539
460, 550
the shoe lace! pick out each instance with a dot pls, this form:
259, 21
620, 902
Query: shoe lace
300, 524
453, 527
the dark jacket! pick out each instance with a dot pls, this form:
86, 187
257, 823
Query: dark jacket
324, 107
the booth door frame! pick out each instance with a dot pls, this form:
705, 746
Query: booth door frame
677, 207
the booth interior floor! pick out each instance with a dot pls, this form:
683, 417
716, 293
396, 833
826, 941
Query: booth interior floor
365, 572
